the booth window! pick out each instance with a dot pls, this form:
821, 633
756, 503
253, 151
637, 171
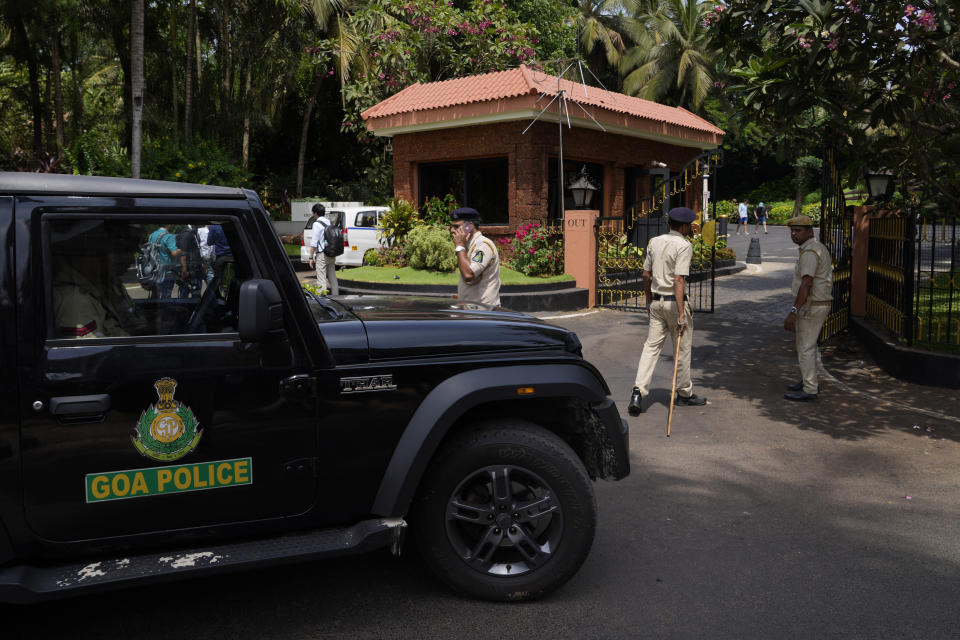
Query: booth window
481, 184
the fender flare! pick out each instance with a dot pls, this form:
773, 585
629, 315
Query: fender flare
454, 397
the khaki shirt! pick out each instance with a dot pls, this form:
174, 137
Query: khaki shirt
668, 255
82, 310
814, 261
485, 264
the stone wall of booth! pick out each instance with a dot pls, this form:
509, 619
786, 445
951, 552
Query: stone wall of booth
529, 156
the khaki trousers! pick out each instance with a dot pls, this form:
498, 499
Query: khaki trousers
326, 274
663, 322
810, 321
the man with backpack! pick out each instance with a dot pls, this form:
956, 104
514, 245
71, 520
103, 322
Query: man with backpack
326, 245
170, 257
189, 243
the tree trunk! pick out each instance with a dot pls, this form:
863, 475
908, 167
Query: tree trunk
57, 91
76, 120
224, 58
196, 46
121, 44
247, 109
188, 88
136, 83
800, 182
174, 98
34, 74
304, 130
48, 133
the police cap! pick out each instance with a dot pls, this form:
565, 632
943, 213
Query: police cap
800, 221
682, 215
468, 214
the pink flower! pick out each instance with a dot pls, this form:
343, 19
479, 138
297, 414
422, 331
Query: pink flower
910, 10
532, 250
927, 20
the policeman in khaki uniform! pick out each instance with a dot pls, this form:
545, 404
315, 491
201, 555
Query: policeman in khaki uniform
477, 259
89, 300
665, 270
813, 293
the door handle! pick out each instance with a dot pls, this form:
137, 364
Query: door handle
97, 404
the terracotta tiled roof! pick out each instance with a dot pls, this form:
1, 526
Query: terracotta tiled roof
501, 85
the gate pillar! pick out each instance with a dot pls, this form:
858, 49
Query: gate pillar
858, 273
580, 250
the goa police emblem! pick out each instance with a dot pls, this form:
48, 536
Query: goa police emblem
167, 430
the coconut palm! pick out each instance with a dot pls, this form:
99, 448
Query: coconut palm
673, 59
606, 26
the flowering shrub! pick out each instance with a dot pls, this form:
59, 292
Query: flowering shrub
536, 252
395, 256
436, 211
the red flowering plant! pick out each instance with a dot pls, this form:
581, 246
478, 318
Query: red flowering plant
535, 251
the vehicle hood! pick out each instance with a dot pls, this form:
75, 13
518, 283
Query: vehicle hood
416, 327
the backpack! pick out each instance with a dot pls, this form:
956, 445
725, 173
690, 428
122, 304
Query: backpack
332, 239
151, 267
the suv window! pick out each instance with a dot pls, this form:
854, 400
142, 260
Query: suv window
367, 219
111, 278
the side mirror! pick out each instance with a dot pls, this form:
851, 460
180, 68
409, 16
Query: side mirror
260, 310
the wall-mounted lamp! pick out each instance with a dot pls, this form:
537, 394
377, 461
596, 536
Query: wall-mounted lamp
880, 184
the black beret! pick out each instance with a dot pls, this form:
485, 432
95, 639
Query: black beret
682, 214
465, 213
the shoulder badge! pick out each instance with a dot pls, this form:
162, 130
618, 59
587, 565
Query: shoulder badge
167, 430
478, 256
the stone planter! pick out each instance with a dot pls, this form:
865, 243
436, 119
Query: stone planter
549, 296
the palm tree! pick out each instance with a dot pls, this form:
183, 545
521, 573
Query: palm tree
674, 57
606, 27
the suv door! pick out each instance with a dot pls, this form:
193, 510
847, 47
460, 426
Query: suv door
145, 412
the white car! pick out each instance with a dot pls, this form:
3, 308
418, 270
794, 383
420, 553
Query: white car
360, 233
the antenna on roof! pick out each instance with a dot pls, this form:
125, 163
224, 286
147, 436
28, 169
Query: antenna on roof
563, 108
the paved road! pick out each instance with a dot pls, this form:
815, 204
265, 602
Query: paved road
756, 519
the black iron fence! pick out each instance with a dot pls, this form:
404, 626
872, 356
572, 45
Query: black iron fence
620, 252
913, 279
936, 294
620, 247
836, 232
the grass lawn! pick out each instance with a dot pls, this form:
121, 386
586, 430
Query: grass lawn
293, 250
414, 276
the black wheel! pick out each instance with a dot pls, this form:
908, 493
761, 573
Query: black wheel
506, 512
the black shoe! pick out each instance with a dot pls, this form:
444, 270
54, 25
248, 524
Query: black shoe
796, 386
693, 401
800, 396
635, 407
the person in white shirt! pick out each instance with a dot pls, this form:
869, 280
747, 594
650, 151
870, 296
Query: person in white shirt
325, 265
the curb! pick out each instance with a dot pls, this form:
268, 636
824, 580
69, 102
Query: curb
906, 363
547, 297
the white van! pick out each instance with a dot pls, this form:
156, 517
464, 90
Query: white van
360, 233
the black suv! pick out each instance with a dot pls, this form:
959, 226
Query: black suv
165, 415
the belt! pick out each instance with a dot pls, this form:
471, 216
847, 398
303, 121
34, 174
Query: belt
820, 303
657, 296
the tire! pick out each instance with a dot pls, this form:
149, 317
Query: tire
492, 544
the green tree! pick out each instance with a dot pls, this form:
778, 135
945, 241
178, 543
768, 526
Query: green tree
882, 74
606, 27
674, 57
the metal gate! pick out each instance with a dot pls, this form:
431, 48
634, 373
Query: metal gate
836, 232
622, 240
